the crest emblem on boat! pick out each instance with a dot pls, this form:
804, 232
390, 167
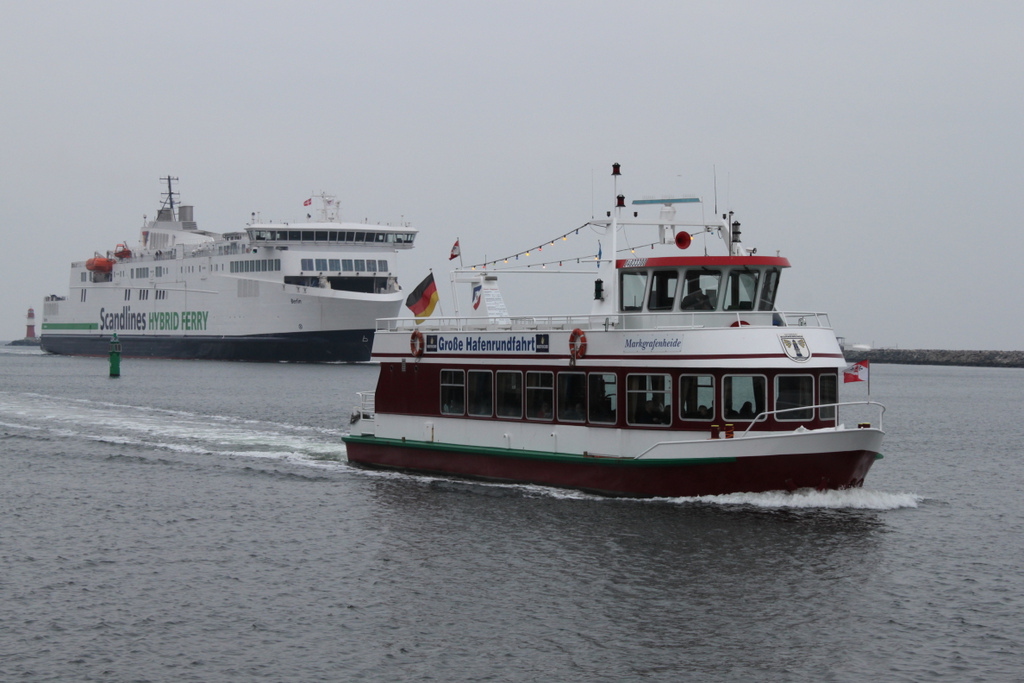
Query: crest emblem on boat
796, 347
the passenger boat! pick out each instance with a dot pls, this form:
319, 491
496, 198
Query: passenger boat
684, 380
308, 291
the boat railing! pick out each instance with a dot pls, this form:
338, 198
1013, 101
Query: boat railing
367, 404
761, 417
672, 320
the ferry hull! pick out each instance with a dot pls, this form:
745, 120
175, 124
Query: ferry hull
347, 346
615, 477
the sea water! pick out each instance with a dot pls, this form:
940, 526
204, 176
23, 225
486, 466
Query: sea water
197, 521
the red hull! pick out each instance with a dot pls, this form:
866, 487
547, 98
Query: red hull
628, 478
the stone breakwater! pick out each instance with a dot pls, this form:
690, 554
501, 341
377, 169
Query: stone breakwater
986, 359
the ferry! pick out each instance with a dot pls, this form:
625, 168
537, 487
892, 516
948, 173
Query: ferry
683, 380
308, 291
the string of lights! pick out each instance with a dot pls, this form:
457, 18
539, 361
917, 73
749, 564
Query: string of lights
539, 248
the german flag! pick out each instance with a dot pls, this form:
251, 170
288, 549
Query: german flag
423, 299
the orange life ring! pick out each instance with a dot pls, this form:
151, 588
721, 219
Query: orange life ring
577, 344
416, 343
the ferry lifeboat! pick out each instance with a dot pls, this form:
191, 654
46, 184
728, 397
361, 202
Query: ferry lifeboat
684, 379
99, 264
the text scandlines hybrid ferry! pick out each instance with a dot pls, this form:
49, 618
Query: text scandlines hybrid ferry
308, 292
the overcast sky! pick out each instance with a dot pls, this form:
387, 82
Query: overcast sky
877, 145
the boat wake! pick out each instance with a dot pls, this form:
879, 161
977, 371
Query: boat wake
846, 499
58, 418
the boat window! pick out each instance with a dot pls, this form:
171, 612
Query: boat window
371, 265
360, 265
572, 396
321, 235
663, 290
634, 286
697, 397
332, 236
510, 394
453, 392
603, 398
307, 264
700, 290
768, 290
743, 396
391, 237
360, 236
794, 391
334, 264
281, 235
382, 266
539, 387
828, 388
346, 264
740, 289
379, 237
321, 264
648, 399
480, 395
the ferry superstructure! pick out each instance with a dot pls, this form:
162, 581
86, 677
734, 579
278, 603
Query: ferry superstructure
684, 380
304, 292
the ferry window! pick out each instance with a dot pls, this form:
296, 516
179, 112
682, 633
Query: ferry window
371, 265
391, 237
350, 236
379, 237
743, 396
634, 286
572, 396
453, 392
539, 387
294, 235
307, 264
740, 288
360, 265
346, 264
480, 394
84, 276
510, 394
663, 290
603, 397
828, 388
700, 290
307, 235
768, 289
321, 264
321, 235
332, 236
697, 397
649, 399
334, 264
794, 391
360, 237
382, 266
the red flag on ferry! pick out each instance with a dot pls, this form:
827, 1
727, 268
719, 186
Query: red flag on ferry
456, 252
308, 202
857, 372
423, 299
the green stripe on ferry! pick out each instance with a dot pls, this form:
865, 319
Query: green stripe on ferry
532, 455
70, 326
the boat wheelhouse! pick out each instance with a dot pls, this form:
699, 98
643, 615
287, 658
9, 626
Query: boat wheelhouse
683, 380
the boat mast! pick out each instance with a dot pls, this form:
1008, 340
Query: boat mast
170, 194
